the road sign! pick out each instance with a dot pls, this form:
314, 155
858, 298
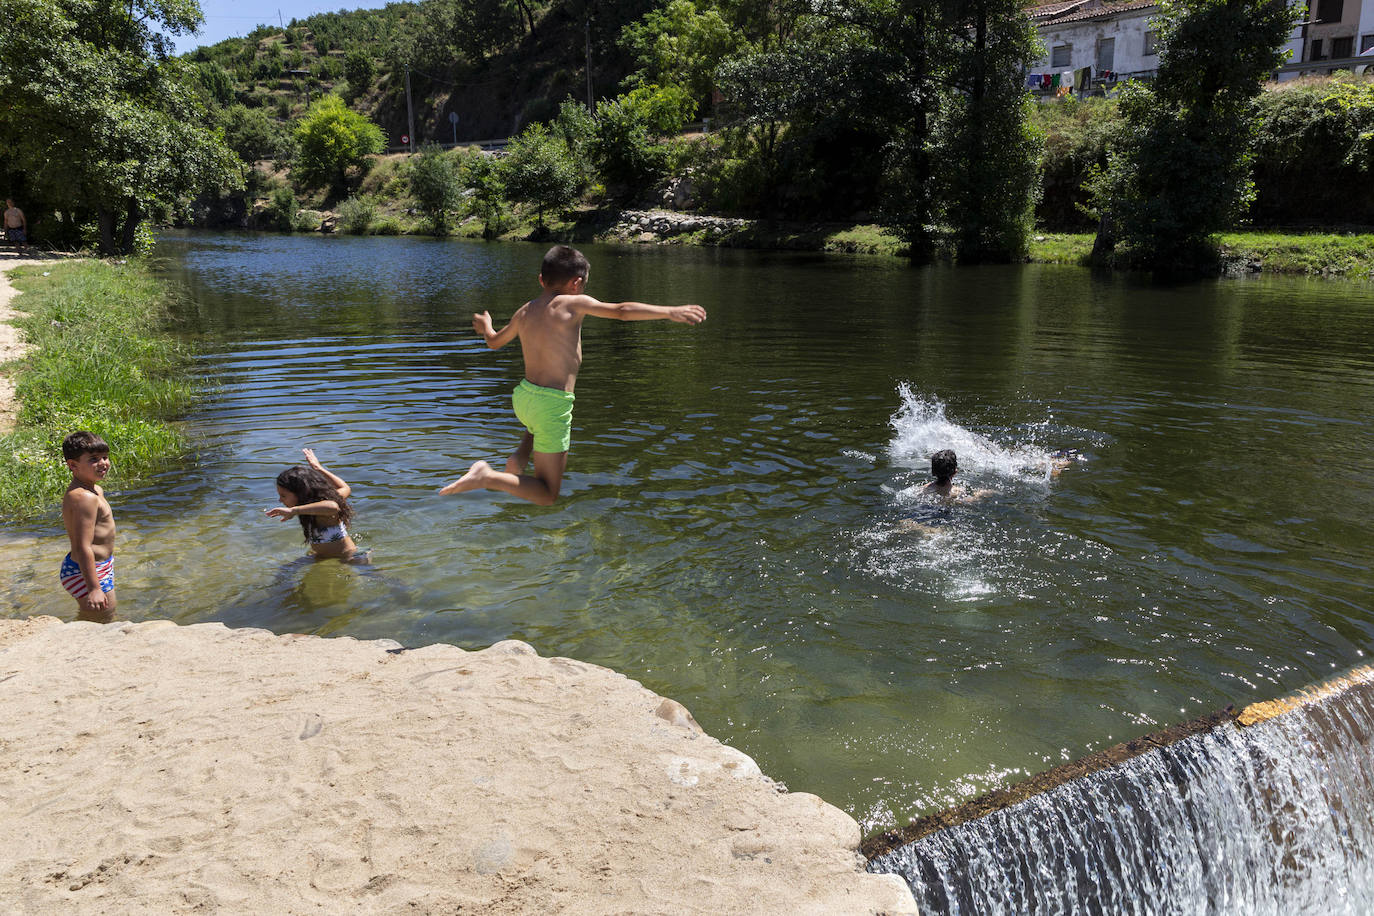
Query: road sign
453, 117
405, 138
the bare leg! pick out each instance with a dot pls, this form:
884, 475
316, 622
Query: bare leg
541, 488
516, 463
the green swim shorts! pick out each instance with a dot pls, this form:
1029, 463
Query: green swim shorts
546, 413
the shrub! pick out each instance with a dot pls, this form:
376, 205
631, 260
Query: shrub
483, 176
1314, 148
280, 213
331, 139
1075, 135
356, 214
540, 171
625, 148
386, 226
434, 185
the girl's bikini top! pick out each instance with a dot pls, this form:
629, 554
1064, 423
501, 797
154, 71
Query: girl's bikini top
327, 535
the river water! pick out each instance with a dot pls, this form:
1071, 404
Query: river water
741, 526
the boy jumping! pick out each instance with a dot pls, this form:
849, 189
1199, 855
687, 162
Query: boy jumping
550, 332
87, 572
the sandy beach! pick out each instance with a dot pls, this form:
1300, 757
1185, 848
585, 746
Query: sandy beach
150, 767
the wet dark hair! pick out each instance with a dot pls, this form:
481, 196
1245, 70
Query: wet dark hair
310, 486
563, 263
83, 443
943, 464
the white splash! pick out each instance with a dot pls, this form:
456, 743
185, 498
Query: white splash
920, 429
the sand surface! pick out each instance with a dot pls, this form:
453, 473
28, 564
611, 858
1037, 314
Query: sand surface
11, 343
151, 767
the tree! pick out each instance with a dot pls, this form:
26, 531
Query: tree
359, 70
331, 139
1178, 168
483, 176
539, 170
435, 186
984, 148
252, 134
98, 118
681, 45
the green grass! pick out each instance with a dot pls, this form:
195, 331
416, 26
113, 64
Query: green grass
99, 359
1315, 253
1061, 247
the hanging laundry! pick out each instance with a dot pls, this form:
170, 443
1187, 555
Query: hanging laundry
1054, 80
1033, 81
1082, 77
1045, 80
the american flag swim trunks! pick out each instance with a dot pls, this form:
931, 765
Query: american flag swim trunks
75, 583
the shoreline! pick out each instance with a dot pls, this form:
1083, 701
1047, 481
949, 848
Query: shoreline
1331, 255
164, 768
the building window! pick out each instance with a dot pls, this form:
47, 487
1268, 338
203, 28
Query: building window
1060, 56
1330, 10
1314, 51
1341, 48
1106, 54
1151, 43
1366, 42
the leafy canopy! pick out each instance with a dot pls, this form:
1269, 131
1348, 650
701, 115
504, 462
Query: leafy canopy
95, 115
331, 139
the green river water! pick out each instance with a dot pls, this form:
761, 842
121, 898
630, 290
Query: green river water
736, 526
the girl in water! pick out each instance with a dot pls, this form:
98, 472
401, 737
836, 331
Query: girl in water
319, 498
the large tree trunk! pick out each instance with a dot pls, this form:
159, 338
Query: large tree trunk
922, 244
132, 218
105, 220
1105, 243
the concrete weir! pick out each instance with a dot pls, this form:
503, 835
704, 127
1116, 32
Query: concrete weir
1270, 809
156, 768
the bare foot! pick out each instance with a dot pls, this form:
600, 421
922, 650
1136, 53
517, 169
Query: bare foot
474, 479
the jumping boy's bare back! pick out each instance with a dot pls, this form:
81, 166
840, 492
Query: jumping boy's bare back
549, 328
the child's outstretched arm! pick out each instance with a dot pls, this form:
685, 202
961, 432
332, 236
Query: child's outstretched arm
338, 482
638, 311
481, 323
323, 507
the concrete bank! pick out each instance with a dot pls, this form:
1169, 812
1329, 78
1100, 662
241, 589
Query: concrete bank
151, 767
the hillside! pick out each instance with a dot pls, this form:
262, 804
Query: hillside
531, 64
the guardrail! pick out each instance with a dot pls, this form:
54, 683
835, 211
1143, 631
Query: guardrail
488, 146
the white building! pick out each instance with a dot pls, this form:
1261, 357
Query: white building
1115, 39
1111, 38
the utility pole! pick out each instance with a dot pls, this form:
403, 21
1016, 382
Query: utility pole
587, 24
410, 112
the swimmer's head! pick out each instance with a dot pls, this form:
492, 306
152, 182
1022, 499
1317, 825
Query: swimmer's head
943, 464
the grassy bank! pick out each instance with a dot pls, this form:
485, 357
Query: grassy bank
1315, 254
99, 359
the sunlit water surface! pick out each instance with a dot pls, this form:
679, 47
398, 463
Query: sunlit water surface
741, 526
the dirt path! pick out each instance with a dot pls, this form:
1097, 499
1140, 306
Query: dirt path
11, 342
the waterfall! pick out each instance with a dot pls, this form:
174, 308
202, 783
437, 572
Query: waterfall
1271, 811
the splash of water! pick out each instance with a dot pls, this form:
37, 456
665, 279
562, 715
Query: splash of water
1276, 818
921, 428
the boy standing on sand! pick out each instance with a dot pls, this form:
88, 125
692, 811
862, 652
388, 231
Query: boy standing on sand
550, 332
88, 571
